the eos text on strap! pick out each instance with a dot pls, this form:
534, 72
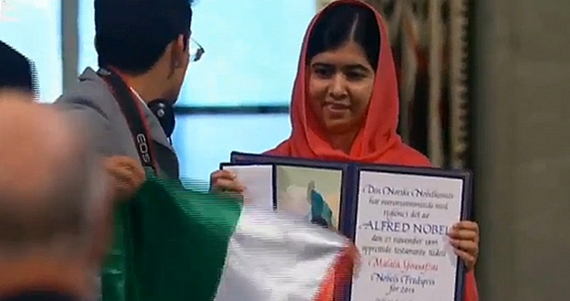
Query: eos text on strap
133, 112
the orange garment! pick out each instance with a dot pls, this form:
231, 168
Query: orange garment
377, 142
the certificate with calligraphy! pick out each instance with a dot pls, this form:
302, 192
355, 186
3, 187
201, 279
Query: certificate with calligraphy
400, 224
398, 217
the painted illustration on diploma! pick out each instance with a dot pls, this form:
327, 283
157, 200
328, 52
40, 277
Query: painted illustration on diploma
310, 192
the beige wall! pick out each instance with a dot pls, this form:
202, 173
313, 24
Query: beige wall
523, 149
322, 3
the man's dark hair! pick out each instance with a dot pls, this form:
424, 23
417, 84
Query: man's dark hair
339, 24
132, 35
16, 71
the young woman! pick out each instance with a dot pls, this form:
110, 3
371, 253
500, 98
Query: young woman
345, 106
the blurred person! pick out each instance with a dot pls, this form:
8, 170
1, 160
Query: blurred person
345, 107
55, 219
143, 49
16, 70
17, 74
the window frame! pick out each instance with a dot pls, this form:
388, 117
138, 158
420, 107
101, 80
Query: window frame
69, 41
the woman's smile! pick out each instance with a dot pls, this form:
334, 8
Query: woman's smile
337, 108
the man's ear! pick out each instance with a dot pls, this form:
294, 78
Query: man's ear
178, 52
183, 42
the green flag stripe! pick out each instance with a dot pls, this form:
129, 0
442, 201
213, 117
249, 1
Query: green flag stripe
176, 241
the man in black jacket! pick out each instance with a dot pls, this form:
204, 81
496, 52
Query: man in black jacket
143, 49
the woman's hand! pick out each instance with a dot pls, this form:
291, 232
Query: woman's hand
127, 176
464, 237
225, 181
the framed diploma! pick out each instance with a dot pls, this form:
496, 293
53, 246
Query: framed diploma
400, 221
398, 217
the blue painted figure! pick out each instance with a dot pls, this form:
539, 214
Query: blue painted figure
321, 213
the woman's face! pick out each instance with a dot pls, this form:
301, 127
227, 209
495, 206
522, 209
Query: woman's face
340, 86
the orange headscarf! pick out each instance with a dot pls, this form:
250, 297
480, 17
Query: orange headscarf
377, 142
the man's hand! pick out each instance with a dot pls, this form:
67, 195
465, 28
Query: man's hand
127, 176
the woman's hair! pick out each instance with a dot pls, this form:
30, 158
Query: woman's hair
342, 23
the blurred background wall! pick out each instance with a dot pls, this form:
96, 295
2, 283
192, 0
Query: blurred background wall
522, 150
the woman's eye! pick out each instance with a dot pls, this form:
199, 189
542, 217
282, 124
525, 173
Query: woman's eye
323, 72
354, 75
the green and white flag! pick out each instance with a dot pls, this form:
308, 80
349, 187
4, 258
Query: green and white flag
174, 243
